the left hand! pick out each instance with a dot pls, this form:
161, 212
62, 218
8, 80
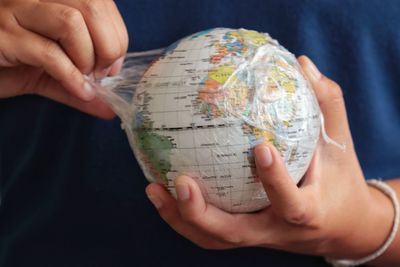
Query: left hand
47, 46
333, 213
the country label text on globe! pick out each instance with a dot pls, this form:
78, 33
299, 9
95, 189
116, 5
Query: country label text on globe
202, 106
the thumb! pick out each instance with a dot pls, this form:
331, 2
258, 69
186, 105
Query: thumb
286, 198
330, 99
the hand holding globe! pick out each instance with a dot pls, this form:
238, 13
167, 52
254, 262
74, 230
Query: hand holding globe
321, 217
226, 121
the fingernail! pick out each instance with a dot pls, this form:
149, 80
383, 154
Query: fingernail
89, 77
182, 191
117, 66
156, 201
312, 70
89, 91
102, 73
263, 156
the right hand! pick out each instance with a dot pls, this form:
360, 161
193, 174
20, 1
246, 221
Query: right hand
333, 213
47, 46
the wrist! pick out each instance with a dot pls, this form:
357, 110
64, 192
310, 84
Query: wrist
390, 256
369, 227
384, 255
382, 215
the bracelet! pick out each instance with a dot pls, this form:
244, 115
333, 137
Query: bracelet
387, 190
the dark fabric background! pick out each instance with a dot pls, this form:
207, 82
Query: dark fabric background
72, 193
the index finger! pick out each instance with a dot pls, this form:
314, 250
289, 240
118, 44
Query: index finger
107, 42
331, 101
43, 53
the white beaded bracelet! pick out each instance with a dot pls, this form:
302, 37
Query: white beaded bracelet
385, 188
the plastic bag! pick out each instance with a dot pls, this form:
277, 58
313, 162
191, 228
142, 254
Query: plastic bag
199, 106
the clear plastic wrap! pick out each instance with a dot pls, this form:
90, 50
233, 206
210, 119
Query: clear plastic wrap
199, 106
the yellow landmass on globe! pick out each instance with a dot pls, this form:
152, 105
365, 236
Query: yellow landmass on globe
253, 37
262, 134
221, 73
278, 79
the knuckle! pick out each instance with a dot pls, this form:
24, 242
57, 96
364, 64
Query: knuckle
51, 51
297, 216
111, 54
85, 67
272, 184
263, 169
71, 20
74, 72
334, 91
91, 7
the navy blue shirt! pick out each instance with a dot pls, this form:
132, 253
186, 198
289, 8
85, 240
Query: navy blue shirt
72, 193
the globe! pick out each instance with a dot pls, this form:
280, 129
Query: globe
201, 107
